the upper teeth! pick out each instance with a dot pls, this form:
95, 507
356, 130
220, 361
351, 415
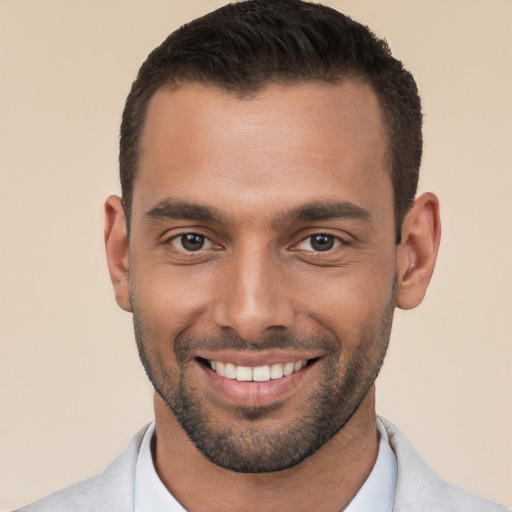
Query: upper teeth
256, 373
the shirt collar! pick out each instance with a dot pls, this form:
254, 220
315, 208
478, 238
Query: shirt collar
151, 495
377, 493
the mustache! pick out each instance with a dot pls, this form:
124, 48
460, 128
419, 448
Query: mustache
187, 345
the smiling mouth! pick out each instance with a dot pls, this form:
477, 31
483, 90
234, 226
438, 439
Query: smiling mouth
262, 373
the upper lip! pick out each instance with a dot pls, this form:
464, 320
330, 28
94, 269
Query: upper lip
254, 359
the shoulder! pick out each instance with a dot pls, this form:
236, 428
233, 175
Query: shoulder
419, 488
111, 490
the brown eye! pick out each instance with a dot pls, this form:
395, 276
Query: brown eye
320, 242
190, 242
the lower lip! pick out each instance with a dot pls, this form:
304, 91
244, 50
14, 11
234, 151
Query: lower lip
255, 394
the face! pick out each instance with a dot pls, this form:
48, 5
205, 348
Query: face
262, 264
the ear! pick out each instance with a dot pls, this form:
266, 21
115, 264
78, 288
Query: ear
116, 246
417, 252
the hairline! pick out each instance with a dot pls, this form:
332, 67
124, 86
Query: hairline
250, 93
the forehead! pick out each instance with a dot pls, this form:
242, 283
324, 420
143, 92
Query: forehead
311, 139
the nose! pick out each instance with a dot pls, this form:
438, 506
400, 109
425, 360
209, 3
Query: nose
253, 296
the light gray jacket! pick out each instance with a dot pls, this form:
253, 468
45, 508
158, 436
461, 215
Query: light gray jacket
418, 488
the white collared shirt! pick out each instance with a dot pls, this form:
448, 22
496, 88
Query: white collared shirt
151, 495
376, 495
378, 491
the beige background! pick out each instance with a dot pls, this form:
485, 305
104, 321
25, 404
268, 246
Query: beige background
72, 391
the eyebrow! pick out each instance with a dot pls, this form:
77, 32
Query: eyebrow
323, 210
171, 209
310, 212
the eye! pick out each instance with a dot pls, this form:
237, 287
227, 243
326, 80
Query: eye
190, 242
319, 242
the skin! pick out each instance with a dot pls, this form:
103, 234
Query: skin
256, 163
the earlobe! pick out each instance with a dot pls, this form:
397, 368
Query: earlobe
417, 253
116, 246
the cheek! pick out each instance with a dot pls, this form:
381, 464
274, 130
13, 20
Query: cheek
170, 301
349, 302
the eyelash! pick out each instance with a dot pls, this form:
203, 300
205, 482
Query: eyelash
181, 236
333, 242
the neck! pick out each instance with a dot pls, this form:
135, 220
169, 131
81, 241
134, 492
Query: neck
326, 481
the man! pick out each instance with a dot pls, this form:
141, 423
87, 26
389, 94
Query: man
267, 230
